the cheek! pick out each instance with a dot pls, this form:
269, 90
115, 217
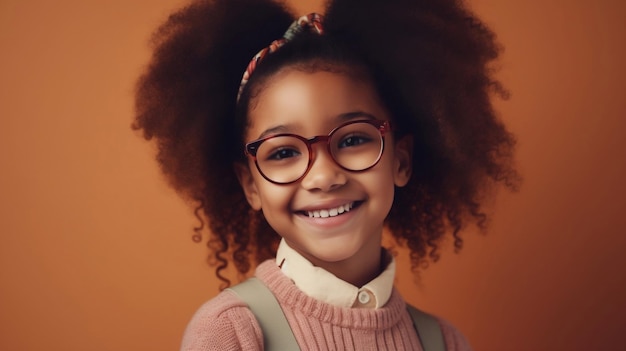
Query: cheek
383, 182
274, 197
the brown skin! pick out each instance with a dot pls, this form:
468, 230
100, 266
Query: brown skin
309, 104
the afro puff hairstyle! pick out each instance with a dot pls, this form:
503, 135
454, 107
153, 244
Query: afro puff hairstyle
430, 60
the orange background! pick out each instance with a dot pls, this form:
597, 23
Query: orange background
95, 250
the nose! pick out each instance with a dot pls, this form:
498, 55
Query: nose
324, 173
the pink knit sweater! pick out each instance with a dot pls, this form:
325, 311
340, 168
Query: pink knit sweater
225, 323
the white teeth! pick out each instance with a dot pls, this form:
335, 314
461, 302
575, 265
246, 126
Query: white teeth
331, 212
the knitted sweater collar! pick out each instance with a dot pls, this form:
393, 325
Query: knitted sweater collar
290, 297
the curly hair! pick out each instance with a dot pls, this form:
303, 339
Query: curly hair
431, 61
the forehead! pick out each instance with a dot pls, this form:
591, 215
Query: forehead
307, 102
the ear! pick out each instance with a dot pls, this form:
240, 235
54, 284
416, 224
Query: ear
403, 165
246, 180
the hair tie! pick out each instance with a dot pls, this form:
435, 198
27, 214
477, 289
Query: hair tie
312, 22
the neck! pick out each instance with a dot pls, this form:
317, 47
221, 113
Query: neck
358, 270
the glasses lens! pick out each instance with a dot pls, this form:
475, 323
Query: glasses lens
283, 159
356, 146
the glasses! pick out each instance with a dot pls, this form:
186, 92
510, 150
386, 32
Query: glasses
286, 158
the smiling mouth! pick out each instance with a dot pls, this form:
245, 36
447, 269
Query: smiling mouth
331, 212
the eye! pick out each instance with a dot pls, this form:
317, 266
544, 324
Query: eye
282, 154
354, 140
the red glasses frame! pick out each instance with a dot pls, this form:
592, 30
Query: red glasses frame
252, 147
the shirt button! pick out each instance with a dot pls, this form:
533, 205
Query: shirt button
364, 297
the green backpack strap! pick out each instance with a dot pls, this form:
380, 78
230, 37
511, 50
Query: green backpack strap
277, 335
428, 329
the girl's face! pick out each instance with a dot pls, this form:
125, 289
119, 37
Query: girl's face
313, 104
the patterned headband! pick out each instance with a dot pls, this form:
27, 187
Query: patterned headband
312, 22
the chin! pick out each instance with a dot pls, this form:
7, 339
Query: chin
336, 254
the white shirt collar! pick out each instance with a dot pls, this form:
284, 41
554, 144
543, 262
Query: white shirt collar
322, 285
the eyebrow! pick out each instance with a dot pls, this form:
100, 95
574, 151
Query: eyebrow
342, 118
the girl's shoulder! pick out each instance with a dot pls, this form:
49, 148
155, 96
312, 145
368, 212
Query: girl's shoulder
454, 339
223, 323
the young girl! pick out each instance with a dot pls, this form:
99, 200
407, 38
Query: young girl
375, 115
